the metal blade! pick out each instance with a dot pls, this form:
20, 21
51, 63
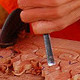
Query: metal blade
49, 53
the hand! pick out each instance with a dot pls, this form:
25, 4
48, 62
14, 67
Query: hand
47, 16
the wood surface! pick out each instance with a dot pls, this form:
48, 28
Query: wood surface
31, 48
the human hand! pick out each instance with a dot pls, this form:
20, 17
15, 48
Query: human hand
47, 16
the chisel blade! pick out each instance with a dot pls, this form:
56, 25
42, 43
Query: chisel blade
49, 53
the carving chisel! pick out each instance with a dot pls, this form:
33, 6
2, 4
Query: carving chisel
11, 28
48, 48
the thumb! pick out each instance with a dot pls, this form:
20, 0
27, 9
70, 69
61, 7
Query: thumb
43, 27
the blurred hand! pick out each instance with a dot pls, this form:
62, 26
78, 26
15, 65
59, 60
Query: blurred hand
47, 16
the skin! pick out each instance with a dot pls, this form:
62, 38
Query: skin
48, 16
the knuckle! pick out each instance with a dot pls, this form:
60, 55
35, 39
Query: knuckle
54, 3
60, 13
57, 2
19, 3
59, 26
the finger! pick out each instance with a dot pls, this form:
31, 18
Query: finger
24, 4
42, 27
36, 14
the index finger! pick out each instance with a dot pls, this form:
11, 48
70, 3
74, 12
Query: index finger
26, 4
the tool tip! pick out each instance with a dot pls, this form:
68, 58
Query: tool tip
51, 64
